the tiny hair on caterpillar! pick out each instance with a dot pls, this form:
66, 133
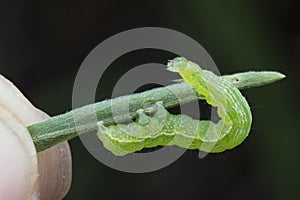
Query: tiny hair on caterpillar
165, 129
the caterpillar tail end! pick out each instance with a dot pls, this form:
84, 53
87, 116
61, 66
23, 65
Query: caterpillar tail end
101, 126
103, 135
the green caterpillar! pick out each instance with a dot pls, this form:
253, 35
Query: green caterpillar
165, 129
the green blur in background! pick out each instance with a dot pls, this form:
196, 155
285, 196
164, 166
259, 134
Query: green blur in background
42, 45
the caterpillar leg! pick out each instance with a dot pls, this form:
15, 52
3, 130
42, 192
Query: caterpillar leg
142, 119
161, 113
122, 139
152, 133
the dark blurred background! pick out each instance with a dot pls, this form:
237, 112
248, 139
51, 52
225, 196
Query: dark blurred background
43, 43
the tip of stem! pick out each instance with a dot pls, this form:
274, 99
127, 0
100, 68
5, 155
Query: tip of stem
254, 78
271, 76
280, 76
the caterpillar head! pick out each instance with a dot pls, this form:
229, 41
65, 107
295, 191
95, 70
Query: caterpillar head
177, 64
183, 66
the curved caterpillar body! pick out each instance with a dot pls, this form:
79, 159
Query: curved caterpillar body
165, 129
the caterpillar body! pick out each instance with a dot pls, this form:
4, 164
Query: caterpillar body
165, 129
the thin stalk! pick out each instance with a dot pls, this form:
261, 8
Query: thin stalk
66, 126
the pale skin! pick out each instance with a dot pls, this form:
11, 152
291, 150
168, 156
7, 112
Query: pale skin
17, 164
16, 167
24, 174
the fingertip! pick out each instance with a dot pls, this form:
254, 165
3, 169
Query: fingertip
18, 169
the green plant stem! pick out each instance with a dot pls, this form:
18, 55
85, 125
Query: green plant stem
63, 127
